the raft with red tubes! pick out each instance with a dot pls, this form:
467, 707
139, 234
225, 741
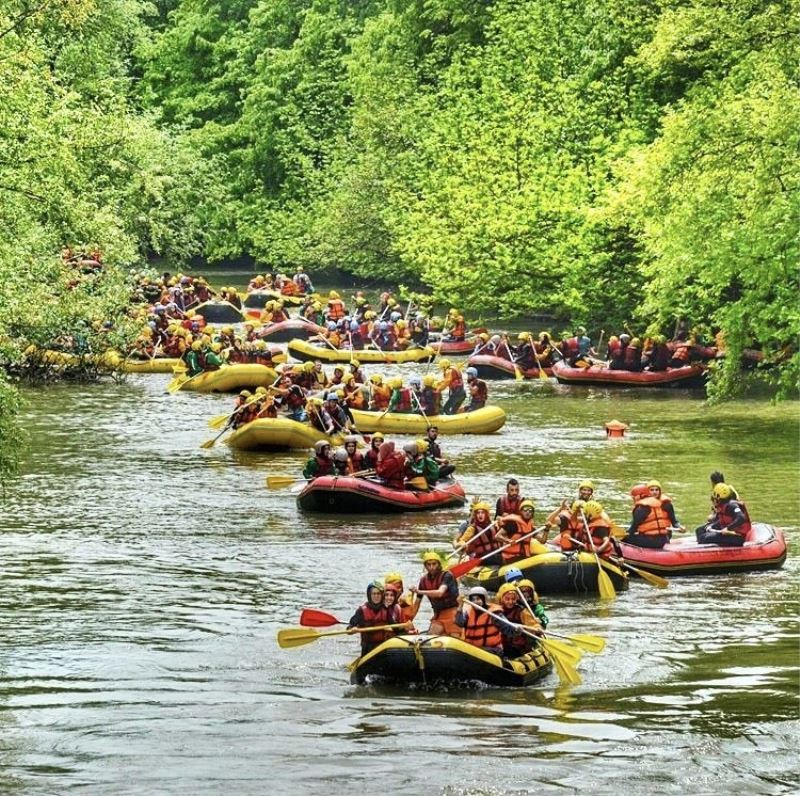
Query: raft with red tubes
602, 376
346, 494
764, 548
293, 329
450, 348
491, 367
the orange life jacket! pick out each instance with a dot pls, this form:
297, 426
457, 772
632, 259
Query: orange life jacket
573, 529
480, 629
519, 549
336, 309
381, 395
657, 520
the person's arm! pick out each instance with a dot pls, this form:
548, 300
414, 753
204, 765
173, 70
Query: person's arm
738, 520
357, 619
639, 516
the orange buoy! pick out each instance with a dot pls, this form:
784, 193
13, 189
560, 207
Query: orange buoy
615, 429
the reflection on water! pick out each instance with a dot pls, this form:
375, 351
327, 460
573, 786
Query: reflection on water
143, 581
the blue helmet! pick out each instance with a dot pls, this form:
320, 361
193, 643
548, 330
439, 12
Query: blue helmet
513, 574
384, 326
332, 326
354, 326
395, 316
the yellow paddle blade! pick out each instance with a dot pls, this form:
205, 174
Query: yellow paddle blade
297, 637
209, 443
567, 673
419, 482
218, 421
589, 643
649, 577
542, 374
604, 583
281, 481
176, 384
562, 650
518, 374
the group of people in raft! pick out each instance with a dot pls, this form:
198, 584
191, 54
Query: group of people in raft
305, 393
508, 625
577, 350
419, 465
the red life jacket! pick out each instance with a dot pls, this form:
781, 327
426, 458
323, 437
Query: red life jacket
571, 347
374, 617
355, 463
515, 644
480, 629
682, 354
403, 400
633, 357
725, 516
439, 604
657, 521
508, 505
324, 466
483, 544
459, 331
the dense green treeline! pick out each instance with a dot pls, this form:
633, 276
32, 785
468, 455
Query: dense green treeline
605, 160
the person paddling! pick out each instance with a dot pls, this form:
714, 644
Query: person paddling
731, 522
374, 613
441, 588
480, 628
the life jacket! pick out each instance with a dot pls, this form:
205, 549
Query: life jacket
483, 544
574, 528
392, 470
681, 354
459, 331
324, 466
725, 516
657, 521
632, 358
290, 289
514, 645
478, 391
374, 617
295, 399
521, 549
336, 310
428, 583
403, 400
430, 401
480, 628
335, 339
355, 463
572, 347
595, 526
371, 459
355, 398
453, 378
508, 505
380, 397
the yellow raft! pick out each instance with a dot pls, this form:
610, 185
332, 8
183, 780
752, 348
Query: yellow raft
481, 421
155, 365
268, 433
306, 351
110, 360
229, 378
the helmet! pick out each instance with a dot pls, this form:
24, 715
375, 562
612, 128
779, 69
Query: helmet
393, 577
613, 339
348, 377
481, 505
483, 336
261, 390
227, 330
351, 438
495, 338
331, 396
415, 380
376, 378
624, 338
354, 363
376, 583
391, 303
316, 306
320, 445
636, 343
592, 510
340, 455
422, 445
331, 326
383, 326
308, 367
506, 588
478, 591
429, 380
526, 584
651, 484
513, 574
360, 300
245, 394
196, 345
577, 505
401, 324
370, 315
411, 448
431, 555
586, 484
452, 311
581, 330
722, 491
395, 316
544, 336
444, 364
333, 295
527, 504
524, 336
378, 435
396, 382
339, 395
472, 373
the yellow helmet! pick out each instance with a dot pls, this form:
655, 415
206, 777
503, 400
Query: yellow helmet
376, 378
196, 345
393, 577
525, 583
506, 588
308, 367
209, 330
401, 324
431, 555
444, 364
452, 311
484, 337
261, 390
422, 445
316, 306
378, 435
333, 295
592, 510
527, 504
586, 484
722, 492
429, 380
216, 347
577, 505
481, 504
524, 336
227, 330
354, 363
391, 303
396, 382
651, 484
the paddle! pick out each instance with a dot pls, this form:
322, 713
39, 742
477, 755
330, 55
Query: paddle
585, 641
542, 374
313, 617
569, 652
281, 481
218, 421
649, 577
299, 636
419, 406
517, 372
563, 656
459, 570
604, 583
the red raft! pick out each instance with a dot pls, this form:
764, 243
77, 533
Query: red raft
490, 367
764, 548
451, 348
688, 376
350, 495
293, 329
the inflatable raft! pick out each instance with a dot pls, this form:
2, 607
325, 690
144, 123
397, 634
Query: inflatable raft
445, 660
449, 348
490, 367
110, 360
306, 351
255, 301
688, 376
293, 329
342, 493
155, 365
552, 573
219, 312
481, 421
277, 433
764, 548
230, 378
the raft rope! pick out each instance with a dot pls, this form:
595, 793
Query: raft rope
416, 646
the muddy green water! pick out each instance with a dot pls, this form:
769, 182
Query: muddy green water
142, 581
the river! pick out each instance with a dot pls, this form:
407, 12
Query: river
143, 581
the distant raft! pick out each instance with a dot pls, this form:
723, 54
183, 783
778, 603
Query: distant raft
278, 433
764, 548
228, 378
255, 301
216, 311
687, 376
306, 351
552, 573
450, 348
491, 367
445, 660
482, 421
342, 493
293, 329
